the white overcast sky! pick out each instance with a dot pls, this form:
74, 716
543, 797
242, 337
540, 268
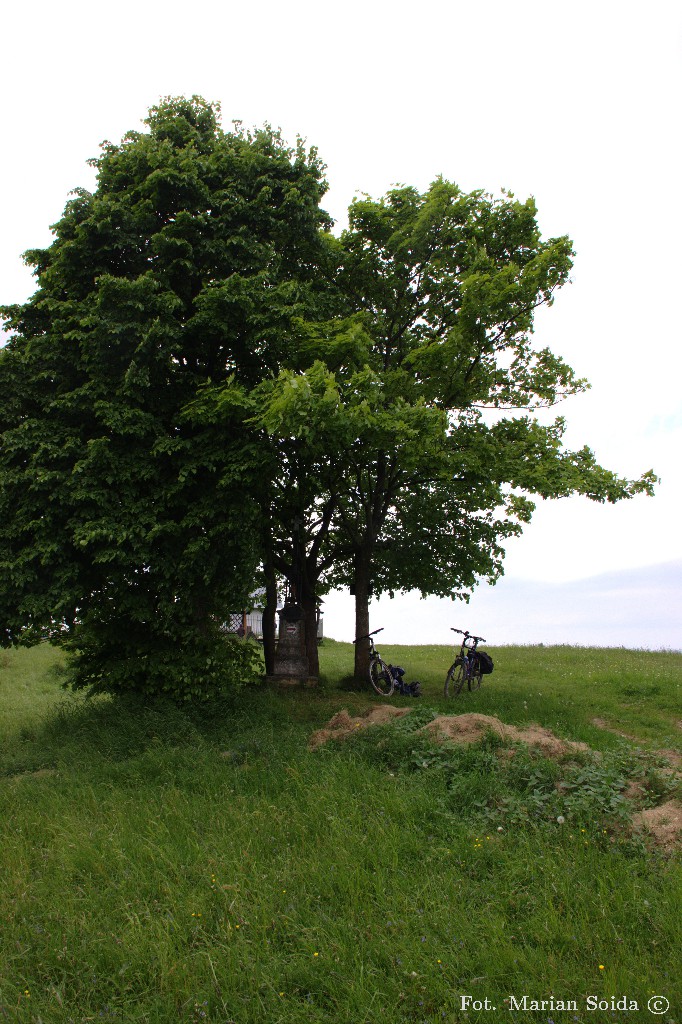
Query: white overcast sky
576, 104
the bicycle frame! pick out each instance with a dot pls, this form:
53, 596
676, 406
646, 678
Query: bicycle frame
465, 666
468, 648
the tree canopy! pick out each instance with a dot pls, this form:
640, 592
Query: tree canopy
127, 531
204, 365
418, 407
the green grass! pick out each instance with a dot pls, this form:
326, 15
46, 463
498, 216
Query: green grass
163, 865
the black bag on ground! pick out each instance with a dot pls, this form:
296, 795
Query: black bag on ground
401, 687
485, 662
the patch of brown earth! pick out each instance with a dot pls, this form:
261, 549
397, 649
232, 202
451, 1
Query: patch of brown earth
634, 791
673, 757
471, 727
603, 724
663, 822
342, 725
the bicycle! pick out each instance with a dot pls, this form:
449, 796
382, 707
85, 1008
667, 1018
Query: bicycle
466, 666
380, 675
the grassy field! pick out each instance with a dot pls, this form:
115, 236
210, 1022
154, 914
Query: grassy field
161, 865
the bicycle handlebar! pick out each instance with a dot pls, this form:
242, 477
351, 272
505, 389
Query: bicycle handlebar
359, 638
467, 635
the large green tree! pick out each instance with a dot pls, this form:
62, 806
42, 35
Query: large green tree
449, 284
423, 430
206, 380
127, 530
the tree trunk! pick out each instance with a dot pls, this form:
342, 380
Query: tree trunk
361, 575
309, 605
269, 623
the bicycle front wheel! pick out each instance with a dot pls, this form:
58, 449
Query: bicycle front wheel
475, 678
454, 680
381, 677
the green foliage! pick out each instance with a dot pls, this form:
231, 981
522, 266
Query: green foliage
210, 664
203, 364
447, 285
395, 407
127, 529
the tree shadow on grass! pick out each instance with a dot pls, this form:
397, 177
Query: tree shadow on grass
90, 731
349, 684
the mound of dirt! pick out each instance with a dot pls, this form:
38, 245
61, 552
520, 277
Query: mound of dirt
470, 728
342, 725
454, 728
664, 823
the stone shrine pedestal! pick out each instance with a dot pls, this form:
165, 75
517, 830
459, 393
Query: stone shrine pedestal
291, 660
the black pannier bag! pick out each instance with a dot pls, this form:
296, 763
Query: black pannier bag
485, 662
401, 687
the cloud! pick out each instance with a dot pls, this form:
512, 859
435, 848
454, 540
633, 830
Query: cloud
634, 608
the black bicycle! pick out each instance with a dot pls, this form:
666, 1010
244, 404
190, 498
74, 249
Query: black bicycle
466, 668
380, 675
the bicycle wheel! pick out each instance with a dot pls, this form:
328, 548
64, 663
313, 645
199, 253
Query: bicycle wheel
381, 677
454, 680
474, 679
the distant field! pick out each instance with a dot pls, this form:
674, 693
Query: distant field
163, 865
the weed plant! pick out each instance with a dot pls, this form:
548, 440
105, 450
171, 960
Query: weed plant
203, 865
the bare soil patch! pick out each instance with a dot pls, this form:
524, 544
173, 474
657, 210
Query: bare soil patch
673, 757
341, 725
471, 728
603, 724
663, 822
635, 792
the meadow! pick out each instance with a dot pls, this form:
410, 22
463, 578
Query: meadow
163, 864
